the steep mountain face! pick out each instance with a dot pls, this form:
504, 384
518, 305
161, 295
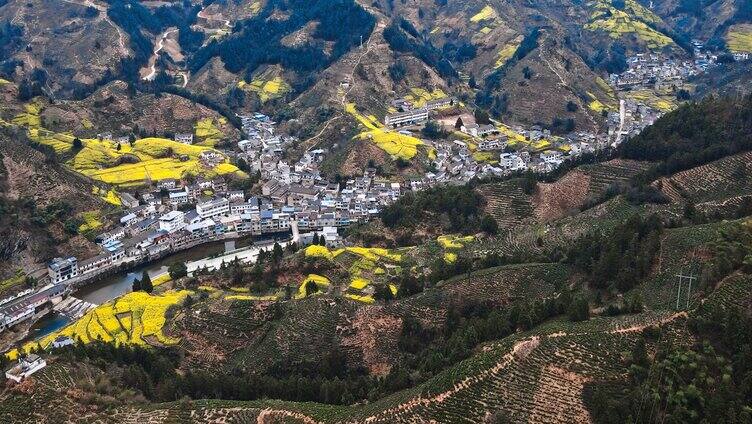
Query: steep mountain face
40, 207
285, 57
73, 43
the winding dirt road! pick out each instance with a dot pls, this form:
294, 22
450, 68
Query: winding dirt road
153, 59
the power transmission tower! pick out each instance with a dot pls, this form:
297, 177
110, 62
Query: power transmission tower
689, 279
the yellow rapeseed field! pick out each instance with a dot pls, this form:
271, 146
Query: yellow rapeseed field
208, 132
395, 144
267, 88
321, 282
359, 283
251, 297
454, 242
91, 221
634, 19
486, 13
128, 320
739, 38
507, 51
156, 158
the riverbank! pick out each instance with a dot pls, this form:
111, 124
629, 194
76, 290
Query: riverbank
112, 286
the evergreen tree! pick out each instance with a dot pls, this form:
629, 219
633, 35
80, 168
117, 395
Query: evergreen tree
177, 270
311, 288
579, 310
277, 253
146, 284
136, 286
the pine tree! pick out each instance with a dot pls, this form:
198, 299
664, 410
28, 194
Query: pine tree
136, 285
146, 284
311, 288
277, 253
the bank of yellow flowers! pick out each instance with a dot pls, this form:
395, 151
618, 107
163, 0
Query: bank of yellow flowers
136, 318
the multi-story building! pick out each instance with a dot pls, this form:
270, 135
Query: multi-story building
172, 221
61, 269
213, 207
410, 117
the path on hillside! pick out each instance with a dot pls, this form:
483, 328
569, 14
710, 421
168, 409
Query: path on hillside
519, 351
564, 84
203, 15
380, 25
153, 59
103, 16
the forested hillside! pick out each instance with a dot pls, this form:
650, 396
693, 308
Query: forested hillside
695, 134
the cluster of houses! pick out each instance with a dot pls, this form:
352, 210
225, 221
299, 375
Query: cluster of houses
407, 114
182, 215
658, 72
28, 304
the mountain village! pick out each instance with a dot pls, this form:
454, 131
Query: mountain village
297, 203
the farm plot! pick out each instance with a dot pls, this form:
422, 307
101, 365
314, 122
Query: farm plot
730, 176
663, 101
507, 51
207, 131
266, 87
634, 20
394, 143
533, 377
148, 159
739, 38
133, 318
309, 327
618, 171
364, 265
507, 203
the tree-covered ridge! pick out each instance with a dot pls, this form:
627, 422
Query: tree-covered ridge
258, 40
10, 35
451, 209
695, 134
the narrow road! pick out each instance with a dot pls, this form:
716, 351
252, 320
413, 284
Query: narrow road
622, 120
563, 83
153, 60
203, 15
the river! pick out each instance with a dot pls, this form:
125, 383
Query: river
116, 285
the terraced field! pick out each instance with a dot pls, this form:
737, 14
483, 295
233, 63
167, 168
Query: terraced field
146, 160
739, 38
507, 203
535, 377
606, 174
633, 19
727, 177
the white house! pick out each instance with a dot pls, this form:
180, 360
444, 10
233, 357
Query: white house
61, 269
172, 221
26, 366
213, 207
406, 118
186, 138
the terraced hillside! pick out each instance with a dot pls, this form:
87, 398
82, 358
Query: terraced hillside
611, 173
717, 181
507, 203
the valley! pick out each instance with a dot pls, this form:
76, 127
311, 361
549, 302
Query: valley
336, 212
